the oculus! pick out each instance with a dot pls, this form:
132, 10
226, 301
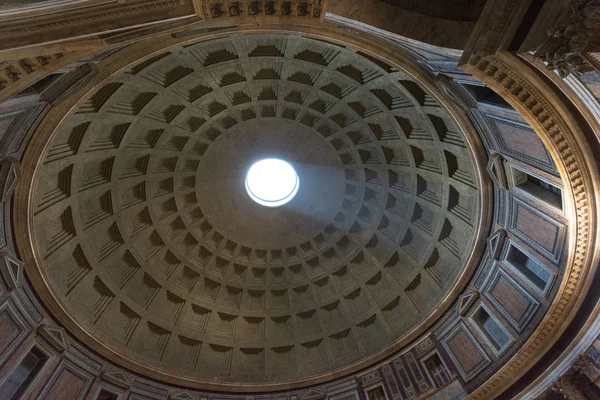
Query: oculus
272, 182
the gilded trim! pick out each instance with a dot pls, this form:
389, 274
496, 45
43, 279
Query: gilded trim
542, 109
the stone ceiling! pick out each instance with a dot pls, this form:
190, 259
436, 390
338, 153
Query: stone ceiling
459, 10
152, 245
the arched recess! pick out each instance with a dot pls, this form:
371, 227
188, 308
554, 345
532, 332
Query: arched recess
150, 48
545, 111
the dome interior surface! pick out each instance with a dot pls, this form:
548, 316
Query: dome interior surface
150, 241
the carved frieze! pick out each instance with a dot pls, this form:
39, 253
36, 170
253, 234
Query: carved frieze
17, 75
306, 10
13, 71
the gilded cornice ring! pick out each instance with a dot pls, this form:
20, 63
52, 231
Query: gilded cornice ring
542, 109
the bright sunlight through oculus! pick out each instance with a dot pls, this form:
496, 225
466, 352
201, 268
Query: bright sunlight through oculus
272, 182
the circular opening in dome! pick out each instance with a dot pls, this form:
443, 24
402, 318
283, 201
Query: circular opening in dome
272, 182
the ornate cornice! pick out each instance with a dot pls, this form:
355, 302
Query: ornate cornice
589, 107
542, 109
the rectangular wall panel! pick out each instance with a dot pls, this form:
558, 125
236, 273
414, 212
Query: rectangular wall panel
67, 382
13, 329
407, 385
391, 382
537, 229
511, 299
465, 352
520, 141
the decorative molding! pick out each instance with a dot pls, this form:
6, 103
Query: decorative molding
555, 126
148, 389
55, 336
29, 310
46, 7
9, 177
117, 377
370, 378
182, 395
302, 10
82, 359
424, 346
12, 270
496, 170
13, 71
482, 122
313, 394
467, 300
495, 243
497, 24
502, 198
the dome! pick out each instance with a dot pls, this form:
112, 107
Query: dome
152, 247
299, 200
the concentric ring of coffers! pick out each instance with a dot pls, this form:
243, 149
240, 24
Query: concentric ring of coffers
127, 246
